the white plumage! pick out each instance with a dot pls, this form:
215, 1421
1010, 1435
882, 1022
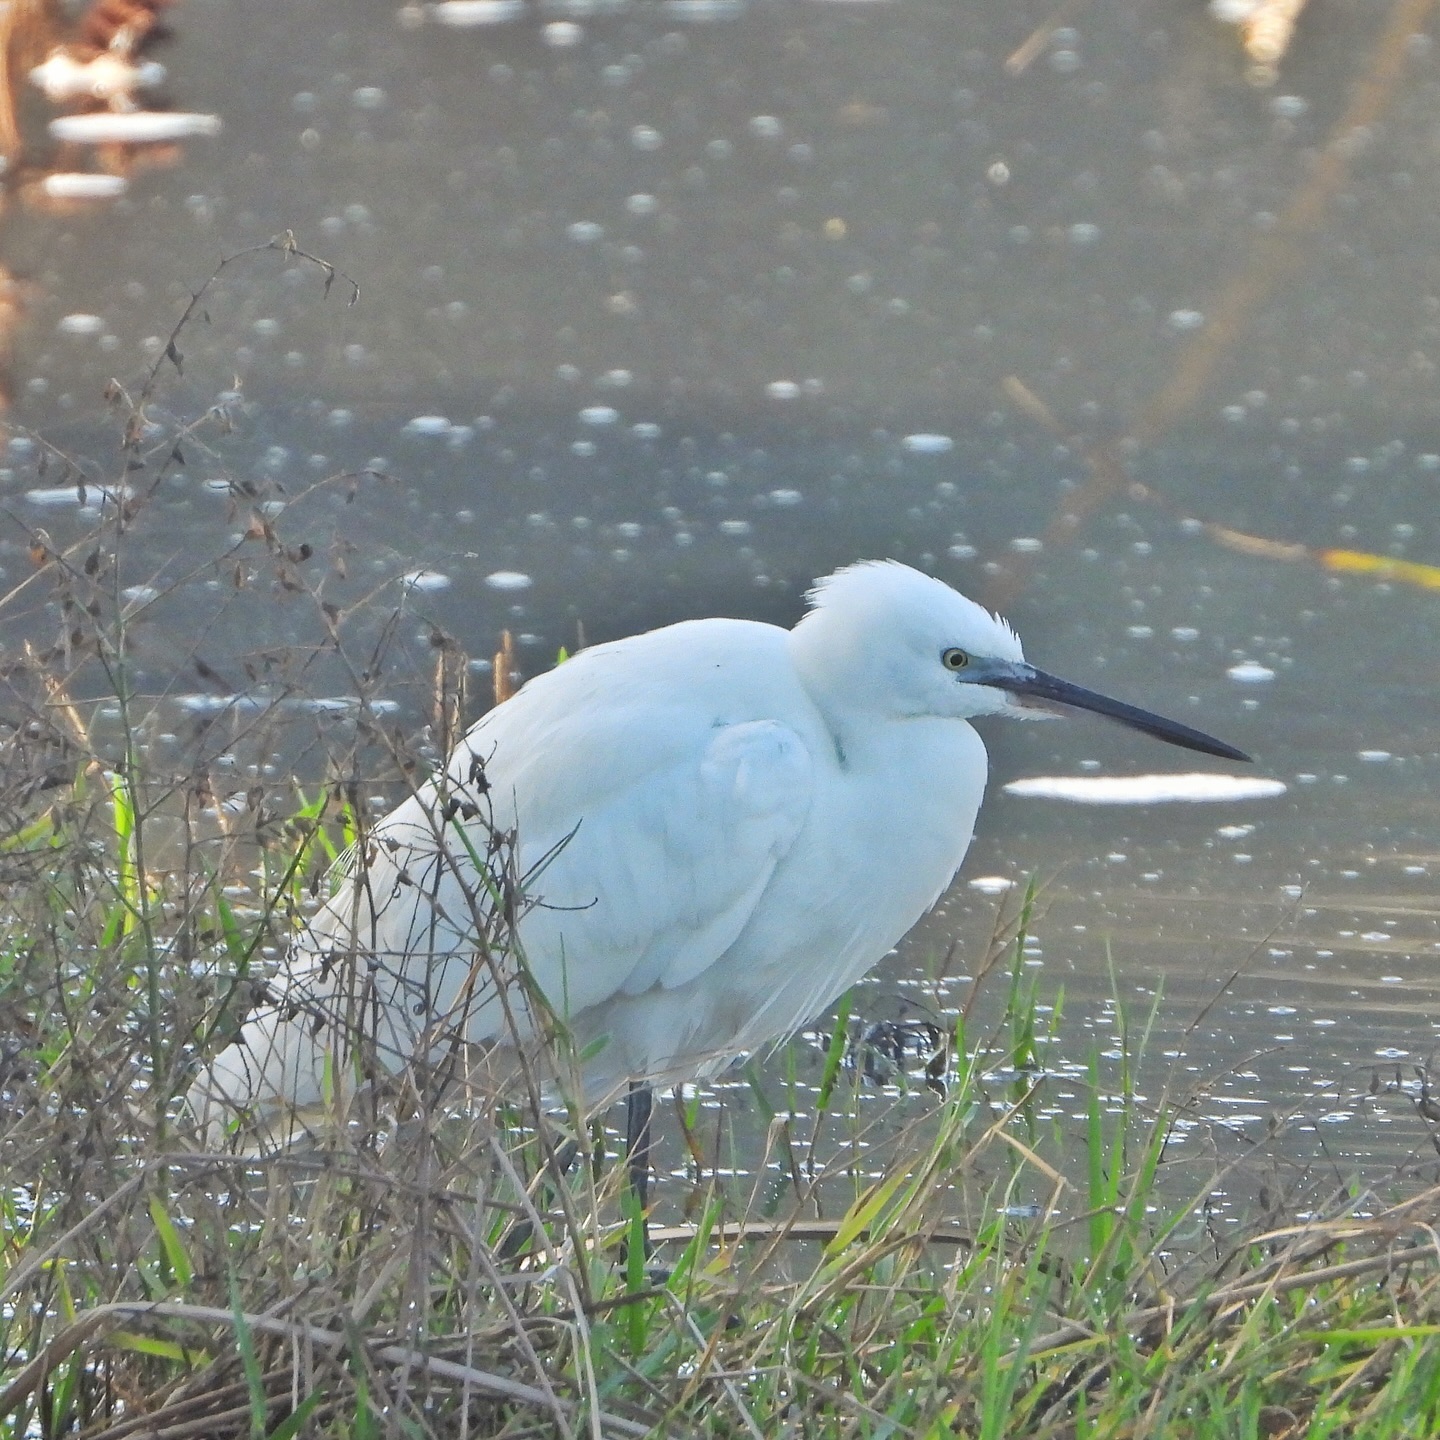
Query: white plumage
720, 826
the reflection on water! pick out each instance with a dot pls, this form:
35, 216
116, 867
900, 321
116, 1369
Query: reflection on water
669, 308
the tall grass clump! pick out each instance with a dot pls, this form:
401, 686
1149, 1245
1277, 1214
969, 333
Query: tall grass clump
958, 1259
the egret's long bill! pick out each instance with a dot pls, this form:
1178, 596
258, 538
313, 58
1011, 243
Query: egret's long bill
1030, 686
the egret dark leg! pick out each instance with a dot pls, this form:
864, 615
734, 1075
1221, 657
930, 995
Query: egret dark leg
639, 1103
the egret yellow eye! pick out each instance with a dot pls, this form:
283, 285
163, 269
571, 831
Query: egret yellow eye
954, 659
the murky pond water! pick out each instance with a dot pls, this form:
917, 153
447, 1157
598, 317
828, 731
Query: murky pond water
667, 308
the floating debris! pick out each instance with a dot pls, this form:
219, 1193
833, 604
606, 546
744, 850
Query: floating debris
1266, 30
1381, 567
1192, 788
121, 26
65, 76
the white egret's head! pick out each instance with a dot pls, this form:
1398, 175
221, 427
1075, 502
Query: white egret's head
883, 639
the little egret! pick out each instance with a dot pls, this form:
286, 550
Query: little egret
713, 830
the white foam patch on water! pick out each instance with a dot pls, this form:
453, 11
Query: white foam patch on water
132, 127
85, 493
425, 580
1193, 788
81, 185
702, 11
80, 324
924, 444
463, 13
991, 884
207, 704
508, 580
1251, 672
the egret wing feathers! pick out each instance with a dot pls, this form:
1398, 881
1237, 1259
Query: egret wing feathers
645, 886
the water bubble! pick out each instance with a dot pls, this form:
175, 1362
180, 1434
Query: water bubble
561, 34
80, 324
585, 232
1182, 320
765, 127
428, 425
599, 415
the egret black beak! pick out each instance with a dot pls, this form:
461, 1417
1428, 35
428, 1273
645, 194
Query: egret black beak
1029, 685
